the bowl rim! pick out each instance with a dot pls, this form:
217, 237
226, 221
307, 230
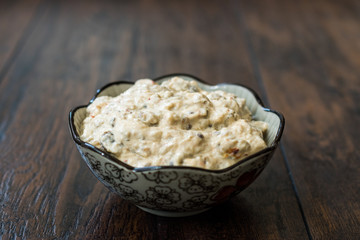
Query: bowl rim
77, 140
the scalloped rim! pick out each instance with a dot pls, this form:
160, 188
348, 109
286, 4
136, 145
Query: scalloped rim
268, 149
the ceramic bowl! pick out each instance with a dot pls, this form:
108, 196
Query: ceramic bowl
176, 191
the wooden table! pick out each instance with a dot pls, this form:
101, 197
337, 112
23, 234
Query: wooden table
302, 57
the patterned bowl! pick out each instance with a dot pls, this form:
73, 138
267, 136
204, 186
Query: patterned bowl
176, 191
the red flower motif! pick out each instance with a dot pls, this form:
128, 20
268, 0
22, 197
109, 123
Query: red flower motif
224, 193
243, 181
246, 179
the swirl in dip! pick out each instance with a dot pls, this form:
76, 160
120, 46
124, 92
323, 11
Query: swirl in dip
175, 123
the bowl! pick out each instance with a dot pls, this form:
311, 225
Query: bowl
177, 191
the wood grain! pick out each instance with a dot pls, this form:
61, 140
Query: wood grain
309, 60
48, 176
301, 57
15, 30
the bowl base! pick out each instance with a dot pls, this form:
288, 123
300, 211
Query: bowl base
171, 214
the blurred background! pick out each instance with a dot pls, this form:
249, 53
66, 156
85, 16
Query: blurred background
302, 57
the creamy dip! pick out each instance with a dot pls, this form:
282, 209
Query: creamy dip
174, 123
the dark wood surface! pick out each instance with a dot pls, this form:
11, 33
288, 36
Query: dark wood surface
302, 57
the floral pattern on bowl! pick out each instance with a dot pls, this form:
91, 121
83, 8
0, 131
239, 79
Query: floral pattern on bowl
173, 190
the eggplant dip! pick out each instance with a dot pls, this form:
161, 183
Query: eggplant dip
174, 123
